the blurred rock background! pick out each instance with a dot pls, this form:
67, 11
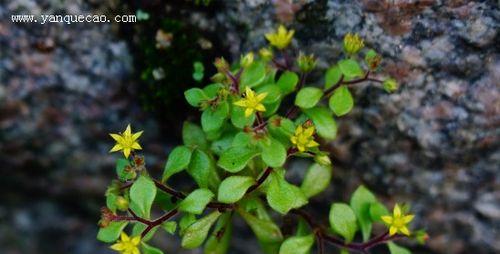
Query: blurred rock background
435, 143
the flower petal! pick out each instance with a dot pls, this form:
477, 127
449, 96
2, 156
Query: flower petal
126, 152
387, 219
392, 230
136, 240
124, 237
408, 218
128, 131
136, 135
136, 146
248, 112
261, 96
241, 103
118, 246
260, 107
312, 143
397, 211
118, 138
116, 148
404, 230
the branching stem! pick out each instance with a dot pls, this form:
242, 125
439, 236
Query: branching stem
322, 236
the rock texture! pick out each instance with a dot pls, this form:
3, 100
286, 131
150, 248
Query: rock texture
62, 88
435, 142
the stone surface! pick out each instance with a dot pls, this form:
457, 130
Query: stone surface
434, 143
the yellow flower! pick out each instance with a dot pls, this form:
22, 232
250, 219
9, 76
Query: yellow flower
251, 102
398, 221
127, 245
280, 38
353, 43
126, 141
303, 138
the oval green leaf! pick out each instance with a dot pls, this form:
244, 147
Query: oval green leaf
308, 97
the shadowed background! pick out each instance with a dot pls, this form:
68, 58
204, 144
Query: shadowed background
434, 143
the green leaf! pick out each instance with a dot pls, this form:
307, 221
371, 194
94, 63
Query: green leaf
341, 101
241, 139
253, 75
297, 245
272, 108
169, 226
273, 152
123, 175
202, 169
308, 97
222, 144
142, 195
218, 242
323, 121
212, 120
265, 230
332, 76
343, 220
195, 96
283, 196
193, 136
361, 200
273, 93
234, 188
235, 159
377, 210
350, 68
287, 82
196, 201
238, 118
148, 249
316, 180
187, 220
281, 129
396, 249
177, 161
212, 90
112, 232
111, 201
139, 228
197, 232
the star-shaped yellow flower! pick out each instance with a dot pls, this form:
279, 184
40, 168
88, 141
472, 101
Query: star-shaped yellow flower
127, 245
280, 38
126, 141
304, 138
251, 102
398, 221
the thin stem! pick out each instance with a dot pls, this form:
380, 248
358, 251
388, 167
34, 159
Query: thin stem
261, 180
159, 221
359, 247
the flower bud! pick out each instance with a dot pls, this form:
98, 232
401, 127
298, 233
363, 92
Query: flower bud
121, 203
246, 60
353, 43
266, 54
106, 217
221, 64
306, 63
372, 59
322, 159
390, 85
